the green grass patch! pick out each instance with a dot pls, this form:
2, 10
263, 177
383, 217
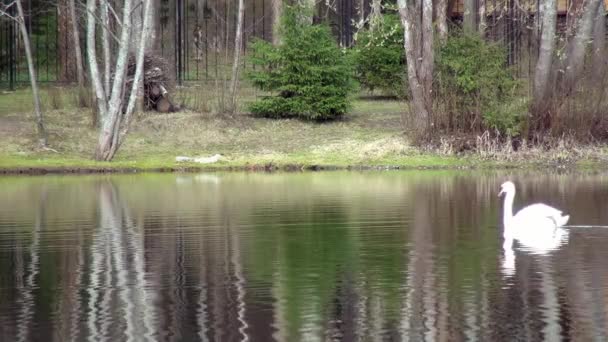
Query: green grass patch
369, 136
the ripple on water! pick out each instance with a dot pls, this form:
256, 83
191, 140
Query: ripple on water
294, 257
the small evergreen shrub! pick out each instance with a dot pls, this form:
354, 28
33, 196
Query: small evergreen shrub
379, 57
476, 88
309, 74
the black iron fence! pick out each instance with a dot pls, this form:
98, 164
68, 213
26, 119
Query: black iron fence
197, 36
41, 21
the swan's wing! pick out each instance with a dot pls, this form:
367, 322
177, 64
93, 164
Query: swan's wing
540, 211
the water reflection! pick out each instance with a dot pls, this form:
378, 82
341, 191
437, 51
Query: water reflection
295, 257
118, 292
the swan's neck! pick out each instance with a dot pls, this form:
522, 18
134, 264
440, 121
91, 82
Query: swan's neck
507, 221
508, 210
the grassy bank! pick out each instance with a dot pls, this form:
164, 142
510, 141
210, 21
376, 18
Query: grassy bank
370, 136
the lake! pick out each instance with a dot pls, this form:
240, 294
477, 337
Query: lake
329, 256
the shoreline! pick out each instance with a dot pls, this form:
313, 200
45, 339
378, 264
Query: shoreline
369, 138
466, 164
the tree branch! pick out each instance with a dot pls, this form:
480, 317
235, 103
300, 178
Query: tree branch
4, 13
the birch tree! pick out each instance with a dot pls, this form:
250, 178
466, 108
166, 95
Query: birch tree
361, 12
469, 17
417, 19
599, 59
375, 16
277, 13
308, 9
5, 11
110, 94
482, 18
238, 45
548, 14
441, 17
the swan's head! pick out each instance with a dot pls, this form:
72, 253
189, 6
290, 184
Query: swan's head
506, 188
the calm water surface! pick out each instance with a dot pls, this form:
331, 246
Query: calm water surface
296, 257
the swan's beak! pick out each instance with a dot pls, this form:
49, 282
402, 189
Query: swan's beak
501, 192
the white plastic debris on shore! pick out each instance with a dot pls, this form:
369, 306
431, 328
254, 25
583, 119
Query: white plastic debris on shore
201, 160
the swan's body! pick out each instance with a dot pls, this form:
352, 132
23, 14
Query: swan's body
537, 227
541, 211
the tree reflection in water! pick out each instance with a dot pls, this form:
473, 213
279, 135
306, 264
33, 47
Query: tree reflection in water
288, 257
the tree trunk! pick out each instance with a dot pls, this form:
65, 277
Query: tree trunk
578, 46
441, 12
482, 18
105, 42
238, 45
108, 136
546, 52
96, 84
469, 17
451, 5
155, 35
418, 43
42, 138
361, 10
114, 112
135, 47
66, 55
143, 46
376, 15
277, 13
77, 48
137, 22
308, 10
599, 59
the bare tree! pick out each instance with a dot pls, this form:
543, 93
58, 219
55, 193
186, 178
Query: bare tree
548, 14
65, 54
417, 22
482, 18
105, 39
277, 13
308, 9
451, 6
577, 46
110, 100
238, 45
20, 20
441, 17
376, 14
361, 11
599, 43
469, 17
77, 48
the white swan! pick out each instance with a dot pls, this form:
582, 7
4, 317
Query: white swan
537, 226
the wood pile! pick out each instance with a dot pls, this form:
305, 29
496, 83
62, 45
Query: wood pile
157, 83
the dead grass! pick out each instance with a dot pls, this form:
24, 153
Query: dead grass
370, 135
359, 138
561, 151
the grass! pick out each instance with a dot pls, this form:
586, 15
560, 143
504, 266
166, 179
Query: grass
370, 136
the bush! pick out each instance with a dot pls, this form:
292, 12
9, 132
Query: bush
379, 57
309, 73
476, 88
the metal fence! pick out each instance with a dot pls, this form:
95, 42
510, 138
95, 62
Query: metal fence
41, 21
197, 36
